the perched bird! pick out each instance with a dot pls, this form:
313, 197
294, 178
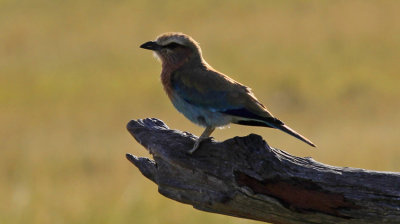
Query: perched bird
205, 96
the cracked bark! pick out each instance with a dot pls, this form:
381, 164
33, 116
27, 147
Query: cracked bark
244, 177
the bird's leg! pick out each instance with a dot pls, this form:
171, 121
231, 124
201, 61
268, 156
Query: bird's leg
206, 133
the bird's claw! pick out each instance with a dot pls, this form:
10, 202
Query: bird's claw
195, 147
198, 143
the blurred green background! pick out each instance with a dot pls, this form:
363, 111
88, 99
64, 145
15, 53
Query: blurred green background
72, 75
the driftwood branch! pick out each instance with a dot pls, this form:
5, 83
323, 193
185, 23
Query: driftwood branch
244, 177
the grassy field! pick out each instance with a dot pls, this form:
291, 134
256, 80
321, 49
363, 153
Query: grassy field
72, 75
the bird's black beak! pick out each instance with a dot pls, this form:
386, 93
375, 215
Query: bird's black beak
151, 45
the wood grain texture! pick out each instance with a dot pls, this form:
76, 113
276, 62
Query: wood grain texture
244, 177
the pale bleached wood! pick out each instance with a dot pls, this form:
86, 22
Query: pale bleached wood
244, 177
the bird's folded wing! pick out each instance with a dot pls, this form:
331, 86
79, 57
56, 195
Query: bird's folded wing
216, 92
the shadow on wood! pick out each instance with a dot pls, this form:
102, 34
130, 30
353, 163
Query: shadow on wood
244, 177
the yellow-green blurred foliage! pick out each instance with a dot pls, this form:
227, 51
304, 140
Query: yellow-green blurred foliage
72, 75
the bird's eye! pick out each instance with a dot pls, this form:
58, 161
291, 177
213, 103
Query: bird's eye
172, 45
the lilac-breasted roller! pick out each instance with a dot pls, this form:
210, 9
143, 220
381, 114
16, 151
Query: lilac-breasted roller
205, 96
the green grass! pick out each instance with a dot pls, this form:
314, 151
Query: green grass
72, 76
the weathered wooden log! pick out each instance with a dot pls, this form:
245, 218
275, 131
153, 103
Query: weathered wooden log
244, 177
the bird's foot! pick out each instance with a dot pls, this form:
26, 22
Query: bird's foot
195, 147
197, 144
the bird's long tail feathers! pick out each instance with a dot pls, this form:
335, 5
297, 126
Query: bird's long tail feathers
274, 123
245, 117
291, 132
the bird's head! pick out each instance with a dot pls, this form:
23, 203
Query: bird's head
175, 49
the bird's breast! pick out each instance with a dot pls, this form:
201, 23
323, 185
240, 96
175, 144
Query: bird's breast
166, 82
